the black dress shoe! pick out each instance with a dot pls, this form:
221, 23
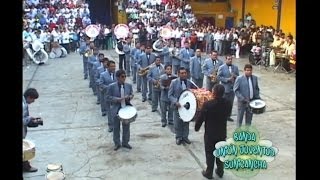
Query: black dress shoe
164, 124
153, 110
110, 129
143, 100
170, 123
149, 99
186, 140
116, 147
126, 146
31, 169
230, 119
178, 141
103, 114
206, 175
219, 173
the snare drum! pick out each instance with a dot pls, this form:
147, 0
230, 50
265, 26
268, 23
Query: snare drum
29, 150
257, 106
191, 102
127, 114
54, 167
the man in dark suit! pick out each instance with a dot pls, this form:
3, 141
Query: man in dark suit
246, 89
227, 74
214, 113
119, 94
176, 87
29, 96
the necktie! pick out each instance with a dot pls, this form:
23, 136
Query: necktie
214, 62
230, 69
123, 104
111, 75
184, 86
250, 88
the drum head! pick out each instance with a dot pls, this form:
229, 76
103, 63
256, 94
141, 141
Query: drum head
53, 175
258, 103
127, 112
188, 104
27, 145
52, 55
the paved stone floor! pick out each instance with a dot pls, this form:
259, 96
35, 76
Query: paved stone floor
75, 134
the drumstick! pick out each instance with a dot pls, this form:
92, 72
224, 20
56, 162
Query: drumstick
194, 84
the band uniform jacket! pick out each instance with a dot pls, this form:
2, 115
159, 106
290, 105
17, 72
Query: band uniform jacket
241, 88
185, 56
208, 66
98, 72
166, 55
132, 56
155, 73
214, 113
144, 61
113, 95
165, 89
195, 67
175, 89
176, 52
105, 79
224, 74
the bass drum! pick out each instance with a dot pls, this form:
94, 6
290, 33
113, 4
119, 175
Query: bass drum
191, 102
40, 57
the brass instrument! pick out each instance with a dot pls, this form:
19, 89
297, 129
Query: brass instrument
157, 84
214, 75
144, 71
88, 53
175, 54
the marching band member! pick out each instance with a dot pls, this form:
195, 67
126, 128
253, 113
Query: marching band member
166, 53
92, 60
120, 93
175, 58
145, 59
210, 69
133, 62
196, 73
126, 50
164, 100
85, 47
136, 58
227, 74
98, 68
154, 77
122, 57
175, 89
185, 54
246, 89
106, 78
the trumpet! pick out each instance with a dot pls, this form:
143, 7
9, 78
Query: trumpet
157, 84
144, 71
88, 53
214, 75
